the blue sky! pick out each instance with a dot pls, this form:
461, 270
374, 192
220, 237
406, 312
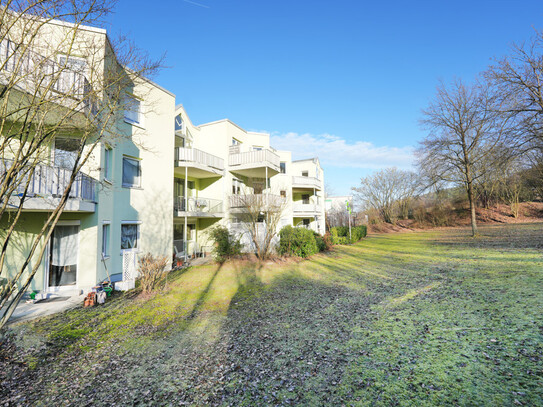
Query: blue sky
344, 80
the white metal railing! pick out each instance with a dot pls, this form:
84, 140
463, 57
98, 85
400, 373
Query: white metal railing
52, 181
197, 205
303, 181
33, 70
194, 155
254, 200
310, 207
261, 157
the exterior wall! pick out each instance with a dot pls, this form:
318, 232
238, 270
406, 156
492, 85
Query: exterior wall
151, 205
216, 138
316, 195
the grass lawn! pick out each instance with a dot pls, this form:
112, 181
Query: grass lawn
433, 318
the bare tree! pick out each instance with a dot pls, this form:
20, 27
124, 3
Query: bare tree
518, 78
385, 191
80, 95
259, 216
465, 127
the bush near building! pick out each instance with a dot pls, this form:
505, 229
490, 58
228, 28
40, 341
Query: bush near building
298, 242
340, 234
301, 242
226, 244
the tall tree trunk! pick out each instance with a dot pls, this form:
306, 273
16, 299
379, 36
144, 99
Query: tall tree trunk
471, 200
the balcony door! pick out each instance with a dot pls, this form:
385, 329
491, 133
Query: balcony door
63, 255
65, 152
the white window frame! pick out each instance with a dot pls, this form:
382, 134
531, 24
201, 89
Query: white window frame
108, 161
106, 239
128, 100
138, 235
126, 185
77, 89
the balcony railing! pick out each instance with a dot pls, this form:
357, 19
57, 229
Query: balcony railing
198, 205
255, 200
193, 155
306, 181
32, 69
310, 207
262, 158
50, 181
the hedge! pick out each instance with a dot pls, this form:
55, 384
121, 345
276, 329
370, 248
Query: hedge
298, 242
340, 234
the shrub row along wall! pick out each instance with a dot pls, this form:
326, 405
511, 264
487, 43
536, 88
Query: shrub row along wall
303, 242
340, 234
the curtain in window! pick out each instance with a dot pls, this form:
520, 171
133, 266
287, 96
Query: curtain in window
131, 172
64, 251
129, 236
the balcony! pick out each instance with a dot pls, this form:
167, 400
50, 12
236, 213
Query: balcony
198, 164
47, 186
198, 207
306, 183
29, 70
255, 163
305, 209
255, 201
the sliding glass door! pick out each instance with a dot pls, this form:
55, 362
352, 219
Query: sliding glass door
64, 248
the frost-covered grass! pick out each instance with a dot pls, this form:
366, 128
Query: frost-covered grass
433, 318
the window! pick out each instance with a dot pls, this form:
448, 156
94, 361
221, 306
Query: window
7, 54
72, 79
129, 236
306, 222
305, 173
132, 110
108, 152
131, 172
305, 199
235, 142
283, 167
283, 194
66, 152
105, 239
236, 186
178, 124
257, 148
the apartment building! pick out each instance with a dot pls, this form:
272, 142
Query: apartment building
153, 182
120, 203
219, 167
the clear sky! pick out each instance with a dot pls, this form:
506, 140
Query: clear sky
343, 80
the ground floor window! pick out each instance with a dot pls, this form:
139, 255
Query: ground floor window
129, 236
105, 239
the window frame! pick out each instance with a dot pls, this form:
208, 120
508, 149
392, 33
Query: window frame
128, 99
106, 239
137, 224
108, 161
125, 184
